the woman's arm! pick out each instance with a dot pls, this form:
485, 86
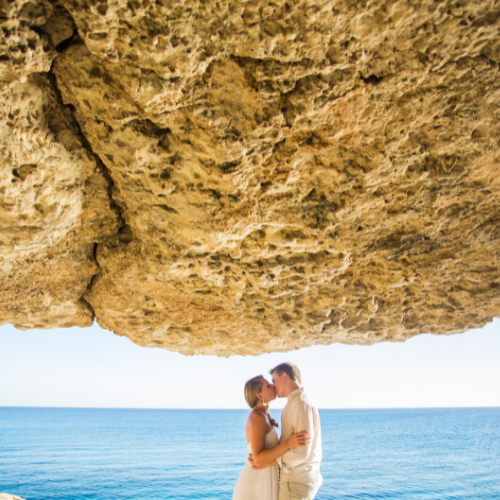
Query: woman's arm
258, 431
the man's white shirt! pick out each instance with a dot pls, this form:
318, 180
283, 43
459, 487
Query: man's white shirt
301, 465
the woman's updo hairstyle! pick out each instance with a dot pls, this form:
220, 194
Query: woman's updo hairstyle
252, 388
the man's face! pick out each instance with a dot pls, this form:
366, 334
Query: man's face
279, 383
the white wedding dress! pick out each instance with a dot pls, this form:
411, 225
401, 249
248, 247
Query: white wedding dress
260, 484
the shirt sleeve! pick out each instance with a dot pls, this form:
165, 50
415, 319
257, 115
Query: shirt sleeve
280, 462
303, 421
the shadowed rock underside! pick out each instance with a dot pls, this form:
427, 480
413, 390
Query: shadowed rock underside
246, 177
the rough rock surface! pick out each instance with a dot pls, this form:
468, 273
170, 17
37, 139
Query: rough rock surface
244, 177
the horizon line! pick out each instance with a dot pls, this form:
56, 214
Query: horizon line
247, 409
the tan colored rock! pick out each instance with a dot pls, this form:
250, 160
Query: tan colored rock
24, 49
6, 496
54, 208
286, 174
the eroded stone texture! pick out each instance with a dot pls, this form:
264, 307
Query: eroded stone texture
24, 47
288, 174
54, 208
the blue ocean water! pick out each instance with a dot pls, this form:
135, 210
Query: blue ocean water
70, 454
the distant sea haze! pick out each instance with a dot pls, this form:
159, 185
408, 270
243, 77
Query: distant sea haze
105, 454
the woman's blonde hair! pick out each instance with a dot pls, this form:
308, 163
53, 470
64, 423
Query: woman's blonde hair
252, 388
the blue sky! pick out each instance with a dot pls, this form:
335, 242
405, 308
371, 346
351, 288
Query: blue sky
92, 367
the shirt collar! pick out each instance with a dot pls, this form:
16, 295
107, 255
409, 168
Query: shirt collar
295, 393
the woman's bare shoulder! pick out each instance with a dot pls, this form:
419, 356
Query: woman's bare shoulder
256, 418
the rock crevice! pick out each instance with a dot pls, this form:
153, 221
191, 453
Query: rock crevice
55, 203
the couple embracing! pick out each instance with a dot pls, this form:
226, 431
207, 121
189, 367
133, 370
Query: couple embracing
285, 468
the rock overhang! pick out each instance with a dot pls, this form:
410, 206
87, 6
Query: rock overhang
237, 178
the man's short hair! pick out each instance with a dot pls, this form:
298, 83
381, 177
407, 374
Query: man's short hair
290, 369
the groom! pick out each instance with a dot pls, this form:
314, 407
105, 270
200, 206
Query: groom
300, 477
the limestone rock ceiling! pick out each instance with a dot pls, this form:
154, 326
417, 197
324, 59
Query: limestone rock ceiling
244, 177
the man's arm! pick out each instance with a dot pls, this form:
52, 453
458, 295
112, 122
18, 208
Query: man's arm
256, 467
303, 420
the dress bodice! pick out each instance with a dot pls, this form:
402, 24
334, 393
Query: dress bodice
271, 440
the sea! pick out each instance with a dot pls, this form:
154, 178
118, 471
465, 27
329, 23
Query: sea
118, 454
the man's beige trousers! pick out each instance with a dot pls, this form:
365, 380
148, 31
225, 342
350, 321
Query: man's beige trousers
295, 491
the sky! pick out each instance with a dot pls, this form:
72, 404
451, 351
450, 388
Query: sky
92, 367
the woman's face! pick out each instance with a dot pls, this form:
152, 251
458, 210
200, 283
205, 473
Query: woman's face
268, 393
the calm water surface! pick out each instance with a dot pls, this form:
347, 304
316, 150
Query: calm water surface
70, 454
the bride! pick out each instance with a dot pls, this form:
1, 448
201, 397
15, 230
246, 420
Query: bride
262, 442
